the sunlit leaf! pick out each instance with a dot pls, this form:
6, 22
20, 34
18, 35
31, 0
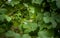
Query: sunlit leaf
13, 2
8, 18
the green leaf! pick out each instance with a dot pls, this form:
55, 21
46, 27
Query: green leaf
2, 17
13, 2
54, 23
58, 3
17, 35
37, 1
53, 0
46, 19
47, 14
26, 5
31, 9
3, 11
50, 37
29, 27
8, 18
26, 36
12, 34
57, 18
2, 30
44, 34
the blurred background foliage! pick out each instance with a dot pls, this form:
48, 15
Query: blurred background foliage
29, 18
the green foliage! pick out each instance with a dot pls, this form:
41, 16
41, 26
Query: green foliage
37, 1
12, 34
57, 3
29, 18
13, 2
26, 36
44, 34
3, 10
